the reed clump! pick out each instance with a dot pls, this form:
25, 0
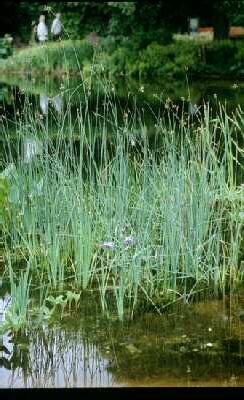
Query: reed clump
122, 219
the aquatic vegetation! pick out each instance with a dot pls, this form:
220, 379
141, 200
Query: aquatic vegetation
17, 314
4, 198
135, 224
84, 248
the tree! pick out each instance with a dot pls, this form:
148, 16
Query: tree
223, 13
141, 21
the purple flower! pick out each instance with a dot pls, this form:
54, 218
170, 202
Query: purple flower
107, 245
129, 240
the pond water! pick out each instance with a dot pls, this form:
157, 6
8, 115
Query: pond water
52, 96
199, 344
196, 345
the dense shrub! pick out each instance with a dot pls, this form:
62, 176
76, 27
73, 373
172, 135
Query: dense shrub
172, 60
239, 59
154, 61
220, 54
141, 38
223, 58
120, 62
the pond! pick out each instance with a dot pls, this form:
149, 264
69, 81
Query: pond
196, 345
53, 92
60, 99
200, 343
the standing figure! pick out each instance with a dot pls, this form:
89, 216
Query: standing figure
42, 31
33, 33
56, 29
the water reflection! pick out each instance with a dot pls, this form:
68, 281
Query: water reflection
198, 345
6, 346
31, 148
56, 101
55, 358
192, 108
65, 359
56, 91
49, 357
44, 103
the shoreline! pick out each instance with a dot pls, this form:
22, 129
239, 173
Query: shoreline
74, 73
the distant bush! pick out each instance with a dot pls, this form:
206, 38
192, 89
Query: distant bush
120, 62
65, 55
221, 54
223, 58
239, 59
172, 60
155, 60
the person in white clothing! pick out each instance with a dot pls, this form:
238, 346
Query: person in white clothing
44, 103
42, 31
56, 29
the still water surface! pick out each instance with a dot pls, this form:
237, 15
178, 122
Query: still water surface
194, 345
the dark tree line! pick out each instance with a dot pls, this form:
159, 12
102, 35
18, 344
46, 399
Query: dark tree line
147, 19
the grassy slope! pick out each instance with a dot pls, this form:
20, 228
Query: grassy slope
65, 56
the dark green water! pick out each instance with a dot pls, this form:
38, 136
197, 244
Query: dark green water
50, 96
56, 103
198, 344
192, 345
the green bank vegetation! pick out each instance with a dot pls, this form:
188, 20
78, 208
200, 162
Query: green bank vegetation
223, 59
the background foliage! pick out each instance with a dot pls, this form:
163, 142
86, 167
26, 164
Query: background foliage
146, 21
